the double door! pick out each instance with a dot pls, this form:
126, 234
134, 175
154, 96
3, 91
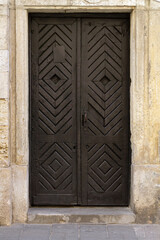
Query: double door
79, 110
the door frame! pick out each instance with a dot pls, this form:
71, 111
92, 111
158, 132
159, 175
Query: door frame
20, 130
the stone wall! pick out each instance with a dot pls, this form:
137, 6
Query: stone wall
145, 114
5, 166
145, 101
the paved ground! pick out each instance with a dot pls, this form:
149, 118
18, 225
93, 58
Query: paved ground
80, 232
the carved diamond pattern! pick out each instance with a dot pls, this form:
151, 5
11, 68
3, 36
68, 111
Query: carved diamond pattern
55, 84
105, 167
55, 79
105, 81
105, 172
55, 165
55, 168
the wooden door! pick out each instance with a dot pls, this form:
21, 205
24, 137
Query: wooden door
105, 110
79, 110
53, 104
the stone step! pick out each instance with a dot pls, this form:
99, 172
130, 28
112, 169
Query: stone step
85, 215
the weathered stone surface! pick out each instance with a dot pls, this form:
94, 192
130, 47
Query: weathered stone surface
4, 10
22, 87
4, 162
4, 32
4, 86
3, 112
154, 85
81, 215
12, 85
139, 91
4, 61
82, 2
146, 185
5, 196
42, 2
105, 2
20, 193
155, 4
4, 1
109, 2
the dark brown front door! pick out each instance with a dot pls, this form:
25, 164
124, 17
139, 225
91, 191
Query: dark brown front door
79, 110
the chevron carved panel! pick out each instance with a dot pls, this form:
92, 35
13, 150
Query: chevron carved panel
53, 111
105, 133
55, 171
55, 78
105, 171
104, 74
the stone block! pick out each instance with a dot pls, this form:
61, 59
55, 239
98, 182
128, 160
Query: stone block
22, 88
146, 193
82, 2
4, 161
3, 112
5, 196
93, 232
36, 232
41, 2
4, 86
121, 232
4, 32
20, 193
122, 3
105, 2
155, 4
81, 215
4, 1
152, 232
69, 231
4, 61
139, 91
4, 10
154, 84
11, 233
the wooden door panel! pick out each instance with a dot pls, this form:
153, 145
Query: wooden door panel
105, 89
53, 120
79, 66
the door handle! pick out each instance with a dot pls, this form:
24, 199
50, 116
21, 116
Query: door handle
84, 118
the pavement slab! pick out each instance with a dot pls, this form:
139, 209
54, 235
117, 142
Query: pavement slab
152, 232
65, 232
11, 233
36, 232
76, 231
139, 232
93, 232
121, 232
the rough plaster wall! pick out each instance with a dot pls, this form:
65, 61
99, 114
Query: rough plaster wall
5, 170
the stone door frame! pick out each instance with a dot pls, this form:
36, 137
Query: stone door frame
20, 131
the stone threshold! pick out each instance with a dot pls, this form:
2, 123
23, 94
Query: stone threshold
84, 215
